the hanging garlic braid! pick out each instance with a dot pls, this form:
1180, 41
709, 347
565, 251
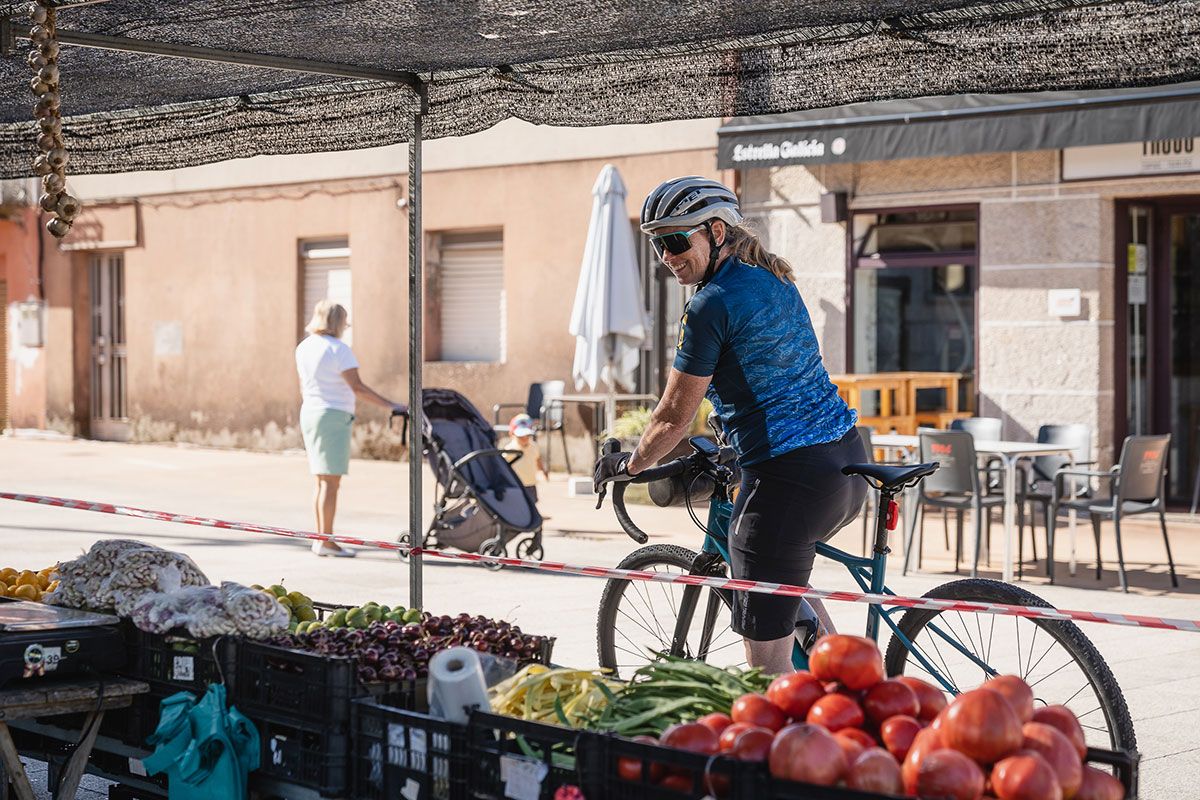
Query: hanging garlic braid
745, 244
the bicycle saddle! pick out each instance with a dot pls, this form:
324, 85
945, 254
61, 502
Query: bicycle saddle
891, 477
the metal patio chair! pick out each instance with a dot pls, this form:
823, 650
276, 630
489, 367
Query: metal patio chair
1136, 485
958, 485
1037, 481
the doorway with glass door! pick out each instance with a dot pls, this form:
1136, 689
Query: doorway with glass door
106, 289
1158, 292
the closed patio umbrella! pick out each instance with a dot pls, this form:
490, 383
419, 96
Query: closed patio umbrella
608, 321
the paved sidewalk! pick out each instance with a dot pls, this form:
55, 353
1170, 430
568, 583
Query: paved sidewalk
1158, 671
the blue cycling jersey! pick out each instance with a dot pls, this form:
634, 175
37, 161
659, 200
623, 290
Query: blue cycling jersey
751, 332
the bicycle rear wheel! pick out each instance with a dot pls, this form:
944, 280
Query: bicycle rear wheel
1054, 657
638, 619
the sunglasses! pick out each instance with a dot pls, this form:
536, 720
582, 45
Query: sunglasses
676, 243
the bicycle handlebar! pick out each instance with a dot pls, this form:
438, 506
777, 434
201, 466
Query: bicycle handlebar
668, 470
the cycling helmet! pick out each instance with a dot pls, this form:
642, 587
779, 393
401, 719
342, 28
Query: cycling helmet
683, 202
692, 200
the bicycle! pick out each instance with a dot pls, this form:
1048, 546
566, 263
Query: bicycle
945, 648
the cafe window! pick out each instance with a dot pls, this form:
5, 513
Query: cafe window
914, 281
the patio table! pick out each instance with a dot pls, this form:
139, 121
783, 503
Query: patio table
1009, 454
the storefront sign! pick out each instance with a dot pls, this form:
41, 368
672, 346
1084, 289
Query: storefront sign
1159, 157
786, 151
1063, 302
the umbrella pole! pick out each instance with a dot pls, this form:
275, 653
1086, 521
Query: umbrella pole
610, 402
415, 352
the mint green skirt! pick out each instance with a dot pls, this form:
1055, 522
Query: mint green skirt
326, 434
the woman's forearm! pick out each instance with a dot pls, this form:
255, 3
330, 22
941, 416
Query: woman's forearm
659, 438
671, 420
364, 392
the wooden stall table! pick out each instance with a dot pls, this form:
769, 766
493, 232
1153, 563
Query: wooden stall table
948, 382
894, 409
29, 700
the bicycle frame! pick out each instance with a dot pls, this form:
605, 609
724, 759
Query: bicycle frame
868, 573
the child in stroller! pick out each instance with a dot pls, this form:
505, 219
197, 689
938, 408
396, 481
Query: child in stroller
481, 504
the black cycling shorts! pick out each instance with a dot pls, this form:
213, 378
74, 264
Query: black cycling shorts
784, 507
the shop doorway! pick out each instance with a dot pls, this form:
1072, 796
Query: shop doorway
110, 417
3, 355
1159, 331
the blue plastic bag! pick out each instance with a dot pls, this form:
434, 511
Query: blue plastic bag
207, 749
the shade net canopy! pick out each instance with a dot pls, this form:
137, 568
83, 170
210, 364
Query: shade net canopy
563, 62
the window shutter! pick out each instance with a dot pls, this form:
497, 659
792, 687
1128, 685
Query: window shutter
327, 275
3, 355
472, 296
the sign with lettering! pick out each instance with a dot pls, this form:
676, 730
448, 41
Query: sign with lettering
1159, 157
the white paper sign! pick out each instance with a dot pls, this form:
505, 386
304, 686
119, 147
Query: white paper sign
1137, 290
522, 777
183, 668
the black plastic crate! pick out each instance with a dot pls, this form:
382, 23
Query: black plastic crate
127, 772
179, 660
398, 752
310, 687
311, 756
692, 774
503, 749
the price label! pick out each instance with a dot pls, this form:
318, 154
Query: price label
183, 668
522, 777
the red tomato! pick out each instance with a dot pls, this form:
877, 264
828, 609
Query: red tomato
678, 783
1025, 776
795, 693
753, 745
758, 710
860, 736
852, 748
730, 734
931, 698
898, 733
630, 769
836, 711
982, 725
853, 661
1017, 692
1099, 785
808, 753
927, 741
949, 775
690, 736
717, 723
1064, 719
1050, 743
875, 771
890, 698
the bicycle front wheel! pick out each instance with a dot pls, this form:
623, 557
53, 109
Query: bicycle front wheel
1054, 657
638, 619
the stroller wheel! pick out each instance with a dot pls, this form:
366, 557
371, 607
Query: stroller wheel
493, 547
530, 549
403, 538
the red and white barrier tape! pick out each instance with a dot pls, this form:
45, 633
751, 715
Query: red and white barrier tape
1032, 612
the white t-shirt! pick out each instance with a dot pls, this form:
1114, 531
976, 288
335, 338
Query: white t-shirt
321, 360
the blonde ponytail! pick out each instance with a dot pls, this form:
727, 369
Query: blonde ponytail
747, 247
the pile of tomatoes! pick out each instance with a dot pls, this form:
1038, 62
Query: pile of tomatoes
844, 723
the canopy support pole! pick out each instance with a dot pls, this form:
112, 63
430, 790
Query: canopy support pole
416, 354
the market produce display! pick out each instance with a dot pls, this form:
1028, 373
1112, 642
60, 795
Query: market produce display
389, 650
844, 723
561, 696
118, 574
671, 690
26, 584
212, 611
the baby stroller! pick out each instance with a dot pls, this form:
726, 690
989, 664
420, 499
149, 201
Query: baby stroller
481, 505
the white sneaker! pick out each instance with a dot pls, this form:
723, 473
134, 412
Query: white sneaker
332, 549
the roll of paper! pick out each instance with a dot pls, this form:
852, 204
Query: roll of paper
456, 686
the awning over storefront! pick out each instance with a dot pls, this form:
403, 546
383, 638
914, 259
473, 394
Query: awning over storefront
960, 125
